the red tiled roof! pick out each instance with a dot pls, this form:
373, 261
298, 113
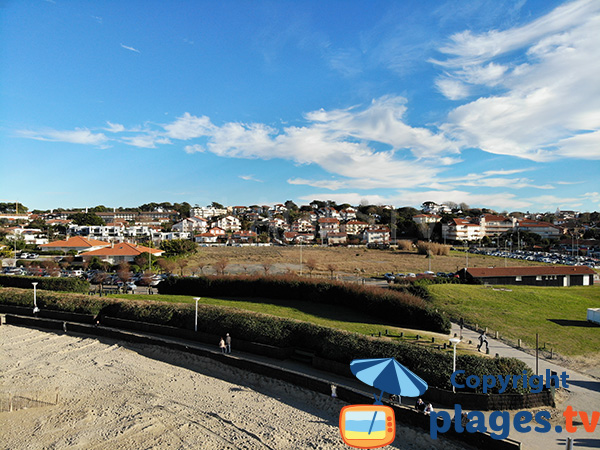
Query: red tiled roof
481, 272
124, 249
76, 242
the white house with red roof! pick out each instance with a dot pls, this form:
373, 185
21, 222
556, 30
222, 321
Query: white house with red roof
355, 227
229, 223
328, 225
122, 252
461, 230
543, 229
77, 243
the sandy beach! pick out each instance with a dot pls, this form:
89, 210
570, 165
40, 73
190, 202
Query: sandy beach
118, 395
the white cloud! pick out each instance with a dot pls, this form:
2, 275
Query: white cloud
189, 127
114, 127
196, 148
145, 140
126, 47
250, 178
550, 107
452, 89
77, 136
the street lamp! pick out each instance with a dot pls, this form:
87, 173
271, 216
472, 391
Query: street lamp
35, 306
196, 315
454, 341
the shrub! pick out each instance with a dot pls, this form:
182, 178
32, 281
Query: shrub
46, 283
433, 248
405, 245
400, 308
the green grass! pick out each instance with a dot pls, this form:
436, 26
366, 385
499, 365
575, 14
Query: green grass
558, 314
320, 314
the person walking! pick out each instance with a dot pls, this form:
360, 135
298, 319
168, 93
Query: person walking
482, 340
228, 343
222, 345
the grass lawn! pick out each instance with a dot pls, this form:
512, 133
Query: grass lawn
558, 314
320, 314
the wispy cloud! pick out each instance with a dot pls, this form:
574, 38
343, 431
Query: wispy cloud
77, 136
250, 178
126, 47
544, 109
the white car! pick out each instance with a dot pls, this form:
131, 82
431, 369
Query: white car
129, 286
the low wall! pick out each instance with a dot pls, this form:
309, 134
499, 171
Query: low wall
404, 415
211, 339
490, 402
48, 313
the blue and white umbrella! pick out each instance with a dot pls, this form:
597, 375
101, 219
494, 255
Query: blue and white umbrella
388, 375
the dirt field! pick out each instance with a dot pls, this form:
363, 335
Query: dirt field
342, 260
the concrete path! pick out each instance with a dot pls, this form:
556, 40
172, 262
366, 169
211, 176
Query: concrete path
583, 395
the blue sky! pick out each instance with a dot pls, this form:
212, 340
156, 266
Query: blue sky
492, 103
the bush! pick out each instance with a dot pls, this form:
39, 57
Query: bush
402, 309
433, 248
46, 283
405, 245
432, 365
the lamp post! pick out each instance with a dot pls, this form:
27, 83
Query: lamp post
196, 315
35, 306
454, 341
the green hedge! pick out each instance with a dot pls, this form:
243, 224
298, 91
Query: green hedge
401, 309
432, 365
65, 284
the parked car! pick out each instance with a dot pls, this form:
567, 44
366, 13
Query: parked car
129, 286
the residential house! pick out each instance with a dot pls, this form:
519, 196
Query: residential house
298, 238
229, 223
244, 236
33, 236
191, 225
493, 225
426, 218
328, 225
377, 236
121, 252
545, 230
348, 214
303, 225
208, 212
77, 243
461, 230
337, 238
354, 227
206, 238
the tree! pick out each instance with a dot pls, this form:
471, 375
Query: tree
178, 247
311, 265
124, 272
182, 264
217, 205
266, 267
86, 219
332, 268
221, 265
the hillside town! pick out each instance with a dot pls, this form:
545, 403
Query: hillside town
318, 223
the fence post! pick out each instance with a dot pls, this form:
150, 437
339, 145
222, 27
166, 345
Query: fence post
569, 443
519, 343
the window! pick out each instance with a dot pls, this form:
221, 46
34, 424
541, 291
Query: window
538, 278
518, 278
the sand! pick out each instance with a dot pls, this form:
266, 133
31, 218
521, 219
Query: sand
117, 395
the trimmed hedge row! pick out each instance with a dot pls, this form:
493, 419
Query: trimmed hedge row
401, 309
432, 365
65, 284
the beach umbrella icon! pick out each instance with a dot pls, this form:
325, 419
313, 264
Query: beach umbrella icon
388, 375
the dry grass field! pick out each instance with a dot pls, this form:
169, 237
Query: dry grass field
334, 260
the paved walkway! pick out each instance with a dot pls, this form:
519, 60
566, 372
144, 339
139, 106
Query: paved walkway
584, 395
